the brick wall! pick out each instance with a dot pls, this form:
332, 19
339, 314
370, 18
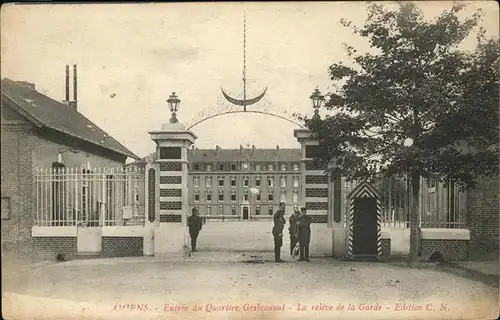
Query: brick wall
170, 218
17, 141
482, 215
171, 166
316, 192
450, 249
122, 246
170, 205
317, 205
50, 246
310, 179
318, 218
386, 247
170, 192
170, 180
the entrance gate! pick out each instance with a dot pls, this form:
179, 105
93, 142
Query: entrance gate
364, 222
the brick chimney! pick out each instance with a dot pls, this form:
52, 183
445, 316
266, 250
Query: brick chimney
277, 147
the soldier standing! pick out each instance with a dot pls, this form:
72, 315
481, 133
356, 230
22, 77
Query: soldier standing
292, 230
195, 225
279, 224
304, 228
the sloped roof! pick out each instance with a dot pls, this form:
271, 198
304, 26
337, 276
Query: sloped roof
46, 112
235, 155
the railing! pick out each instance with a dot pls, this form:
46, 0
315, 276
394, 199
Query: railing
89, 197
441, 205
222, 211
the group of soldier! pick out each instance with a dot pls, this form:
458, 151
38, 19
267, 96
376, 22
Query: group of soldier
299, 230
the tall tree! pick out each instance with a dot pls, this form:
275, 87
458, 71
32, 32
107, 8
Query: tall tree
417, 105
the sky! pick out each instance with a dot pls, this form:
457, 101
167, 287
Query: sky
131, 57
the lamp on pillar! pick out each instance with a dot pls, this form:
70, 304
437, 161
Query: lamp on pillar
317, 100
173, 104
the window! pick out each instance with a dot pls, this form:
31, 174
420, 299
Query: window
245, 195
209, 167
196, 181
208, 182
270, 167
257, 210
209, 196
283, 196
295, 196
245, 181
209, 210
221, 167
221, 181
233, 210
258, 196
257, 181
221, 209
283, 181
257, 167
270, 182
196, 167
233, 181
283, 167
271, 195
270, 210
295, 182
5, 208
233, 166
221, 195
196, 195
233, 195
295, 167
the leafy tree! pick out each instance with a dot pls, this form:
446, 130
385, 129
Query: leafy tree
419, 87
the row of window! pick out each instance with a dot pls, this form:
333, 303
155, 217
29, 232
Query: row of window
236, 166
258, 197
222, 211
246, 181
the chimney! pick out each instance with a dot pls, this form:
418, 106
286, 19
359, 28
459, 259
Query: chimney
277, 147
67, 83
217, 148
75, 87
253, 150
241, 149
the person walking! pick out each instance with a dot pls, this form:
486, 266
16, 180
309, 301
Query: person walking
195, 224
292, 230
304, 233
279, 224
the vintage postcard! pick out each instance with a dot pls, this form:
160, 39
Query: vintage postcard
250, 160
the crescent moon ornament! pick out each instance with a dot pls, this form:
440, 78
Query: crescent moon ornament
243, 102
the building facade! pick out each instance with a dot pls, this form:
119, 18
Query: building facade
38, 132
245, 183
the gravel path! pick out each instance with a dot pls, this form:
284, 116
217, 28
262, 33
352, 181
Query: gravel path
241, 290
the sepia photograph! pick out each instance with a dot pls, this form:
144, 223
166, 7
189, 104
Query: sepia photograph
250, 160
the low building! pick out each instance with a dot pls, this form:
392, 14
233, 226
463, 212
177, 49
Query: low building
39, 132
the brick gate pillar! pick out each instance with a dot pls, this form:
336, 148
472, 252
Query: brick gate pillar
171, 193
315, 195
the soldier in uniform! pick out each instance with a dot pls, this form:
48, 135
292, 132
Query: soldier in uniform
304, 232
279, 224
292, 230
195, 225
